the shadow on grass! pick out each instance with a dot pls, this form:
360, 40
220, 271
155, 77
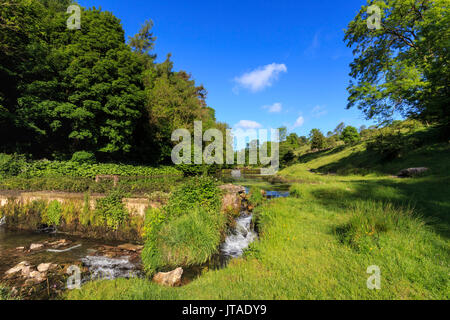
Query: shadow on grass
429, 196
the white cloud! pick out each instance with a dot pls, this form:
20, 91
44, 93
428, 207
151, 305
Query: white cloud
274, 108
319, 111
300, 121
247, 124
261, 77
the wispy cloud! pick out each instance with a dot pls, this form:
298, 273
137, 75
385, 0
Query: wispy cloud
300, 121
274, 108
261, 77
314, 46
247, 124
318, 111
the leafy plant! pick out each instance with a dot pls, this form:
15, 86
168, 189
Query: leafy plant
111, 209
52, 216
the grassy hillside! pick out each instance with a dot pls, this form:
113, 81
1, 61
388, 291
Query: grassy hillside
349, 214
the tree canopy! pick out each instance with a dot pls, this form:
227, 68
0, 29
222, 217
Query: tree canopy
67, 91
402, 67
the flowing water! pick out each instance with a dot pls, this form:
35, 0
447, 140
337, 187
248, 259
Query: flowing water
102, 267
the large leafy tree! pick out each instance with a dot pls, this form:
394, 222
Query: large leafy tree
404, 65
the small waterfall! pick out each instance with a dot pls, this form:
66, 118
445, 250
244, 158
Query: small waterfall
240, 238
103, 268
2, 221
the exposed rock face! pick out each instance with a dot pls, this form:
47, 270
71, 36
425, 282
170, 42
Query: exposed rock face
231, 188
231, 201
171, 279
411, 172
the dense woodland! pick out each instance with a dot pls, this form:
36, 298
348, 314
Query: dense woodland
89, 90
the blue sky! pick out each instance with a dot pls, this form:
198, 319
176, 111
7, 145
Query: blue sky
264, 63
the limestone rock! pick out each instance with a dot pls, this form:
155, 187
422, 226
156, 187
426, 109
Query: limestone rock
130, 247
18, 268
44, 267
36, 246
171, 279
232, 188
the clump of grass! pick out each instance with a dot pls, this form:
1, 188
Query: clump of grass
52, 216
256, 197
296, 191
369, 220
188, 230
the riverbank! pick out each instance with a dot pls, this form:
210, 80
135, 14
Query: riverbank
320, 242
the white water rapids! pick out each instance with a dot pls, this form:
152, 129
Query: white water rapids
241, 237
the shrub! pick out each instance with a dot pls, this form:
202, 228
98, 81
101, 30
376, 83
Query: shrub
111, 209
196, 192
52, 216
11, 165
83, 157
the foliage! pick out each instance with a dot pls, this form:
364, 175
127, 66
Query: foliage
350, 135
83, 157
11, 165
111, 209
187, 230
256, 197
403, 66
187, 240
196, 192
52, 216
67, 91
317, 139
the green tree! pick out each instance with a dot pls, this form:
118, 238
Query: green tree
317, 139
350, 135
403, 66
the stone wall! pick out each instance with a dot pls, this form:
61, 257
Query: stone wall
135, 206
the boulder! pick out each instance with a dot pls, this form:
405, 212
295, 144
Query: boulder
20, 248
36, 246
232, 188
170, 279
37, 276
18, 268
411, 172
44, 267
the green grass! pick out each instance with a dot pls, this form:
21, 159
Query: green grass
318, 243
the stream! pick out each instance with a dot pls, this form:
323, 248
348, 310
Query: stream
108, 260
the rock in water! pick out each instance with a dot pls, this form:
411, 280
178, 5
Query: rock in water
130, 247
19, 267
44, 267
36, 246
171, 279
411, 172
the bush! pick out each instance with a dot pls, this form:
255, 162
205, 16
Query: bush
83, 157
196, 192
111, 209
52, 216
11, 165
